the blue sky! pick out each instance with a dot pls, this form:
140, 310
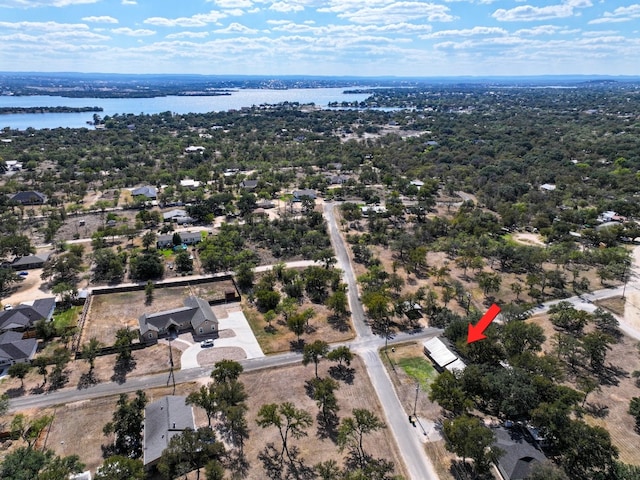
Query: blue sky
331, 37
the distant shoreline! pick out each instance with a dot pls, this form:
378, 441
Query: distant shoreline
20, 110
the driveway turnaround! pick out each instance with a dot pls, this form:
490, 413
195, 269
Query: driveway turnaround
243, 338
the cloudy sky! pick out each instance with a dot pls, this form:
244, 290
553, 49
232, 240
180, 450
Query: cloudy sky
330, 37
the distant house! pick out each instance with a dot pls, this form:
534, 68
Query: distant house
196, 316
188, 238
417, 183
547, 187
298, 195
30, 198
249, 184
338, 179
189, 183
163, 420
178, 216
24, 316
147, 191
441, 356
377, 209
30, 262
15, 349
519, 455
194, 149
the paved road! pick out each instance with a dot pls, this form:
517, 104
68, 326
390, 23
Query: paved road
158, 380
415, 459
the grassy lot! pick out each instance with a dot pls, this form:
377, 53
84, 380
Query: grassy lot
420, 369
66, 319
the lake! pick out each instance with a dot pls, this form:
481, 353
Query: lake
177, 104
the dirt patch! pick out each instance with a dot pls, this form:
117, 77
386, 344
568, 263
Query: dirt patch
528, 239
213, 355
31, 288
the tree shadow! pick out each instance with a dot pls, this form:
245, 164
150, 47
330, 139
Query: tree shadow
611, 374
121, 368
597, 410
87, 380
296, 345
237, 463
15, 392
279, 468
270, 329
342, 372
328, 426
339, 322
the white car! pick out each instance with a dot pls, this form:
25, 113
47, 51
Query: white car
206, 343
8, 306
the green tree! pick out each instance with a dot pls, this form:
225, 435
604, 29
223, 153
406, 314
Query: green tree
226, 371
587, 451
352, 431
312, 352
546, 471
176, 239
595, 345
184, 262
339, 303
323, 392
8, 277
149, 239
90, 352
26, 463
296, 324
41, 364
148, 292
290, 422
188, 451
127, 425
118, 467
519, 337
467, 437
447, 390
206, 399
19, 370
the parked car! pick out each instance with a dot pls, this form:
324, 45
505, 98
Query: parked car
8, 306
23, 274
206, 343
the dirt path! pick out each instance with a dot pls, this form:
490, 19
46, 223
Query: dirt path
29, 289
528, 239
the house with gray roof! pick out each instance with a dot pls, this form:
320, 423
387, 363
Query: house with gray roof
519, 455
188, 238
29, 262
249, 184
15, 349
147, 191
298, 195
30, 197
163, 420
24, 316
196, 316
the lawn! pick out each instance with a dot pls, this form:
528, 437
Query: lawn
420, 369
66, 319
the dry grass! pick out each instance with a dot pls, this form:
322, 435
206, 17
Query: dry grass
613, 304
109, 312
280, 339
77, 428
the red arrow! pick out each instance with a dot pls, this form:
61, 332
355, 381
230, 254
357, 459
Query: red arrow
476, 332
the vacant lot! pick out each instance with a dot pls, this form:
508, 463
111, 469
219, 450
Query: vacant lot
109, 312
77, 427
611, 402
278, 337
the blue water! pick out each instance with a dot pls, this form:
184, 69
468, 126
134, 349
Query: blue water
197, 104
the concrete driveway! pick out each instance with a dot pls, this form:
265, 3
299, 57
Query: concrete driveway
243, 338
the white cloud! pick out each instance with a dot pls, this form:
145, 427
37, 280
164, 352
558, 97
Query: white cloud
467, 32
140, 32
331, 29
286, 7
101, 19
43, 3
44, 26
188, 35
232, 3
129, 2
236, 28
527, 13
198, 20
383, 12
620, 14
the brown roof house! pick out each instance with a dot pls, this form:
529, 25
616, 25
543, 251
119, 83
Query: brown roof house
163, 420
196, 316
